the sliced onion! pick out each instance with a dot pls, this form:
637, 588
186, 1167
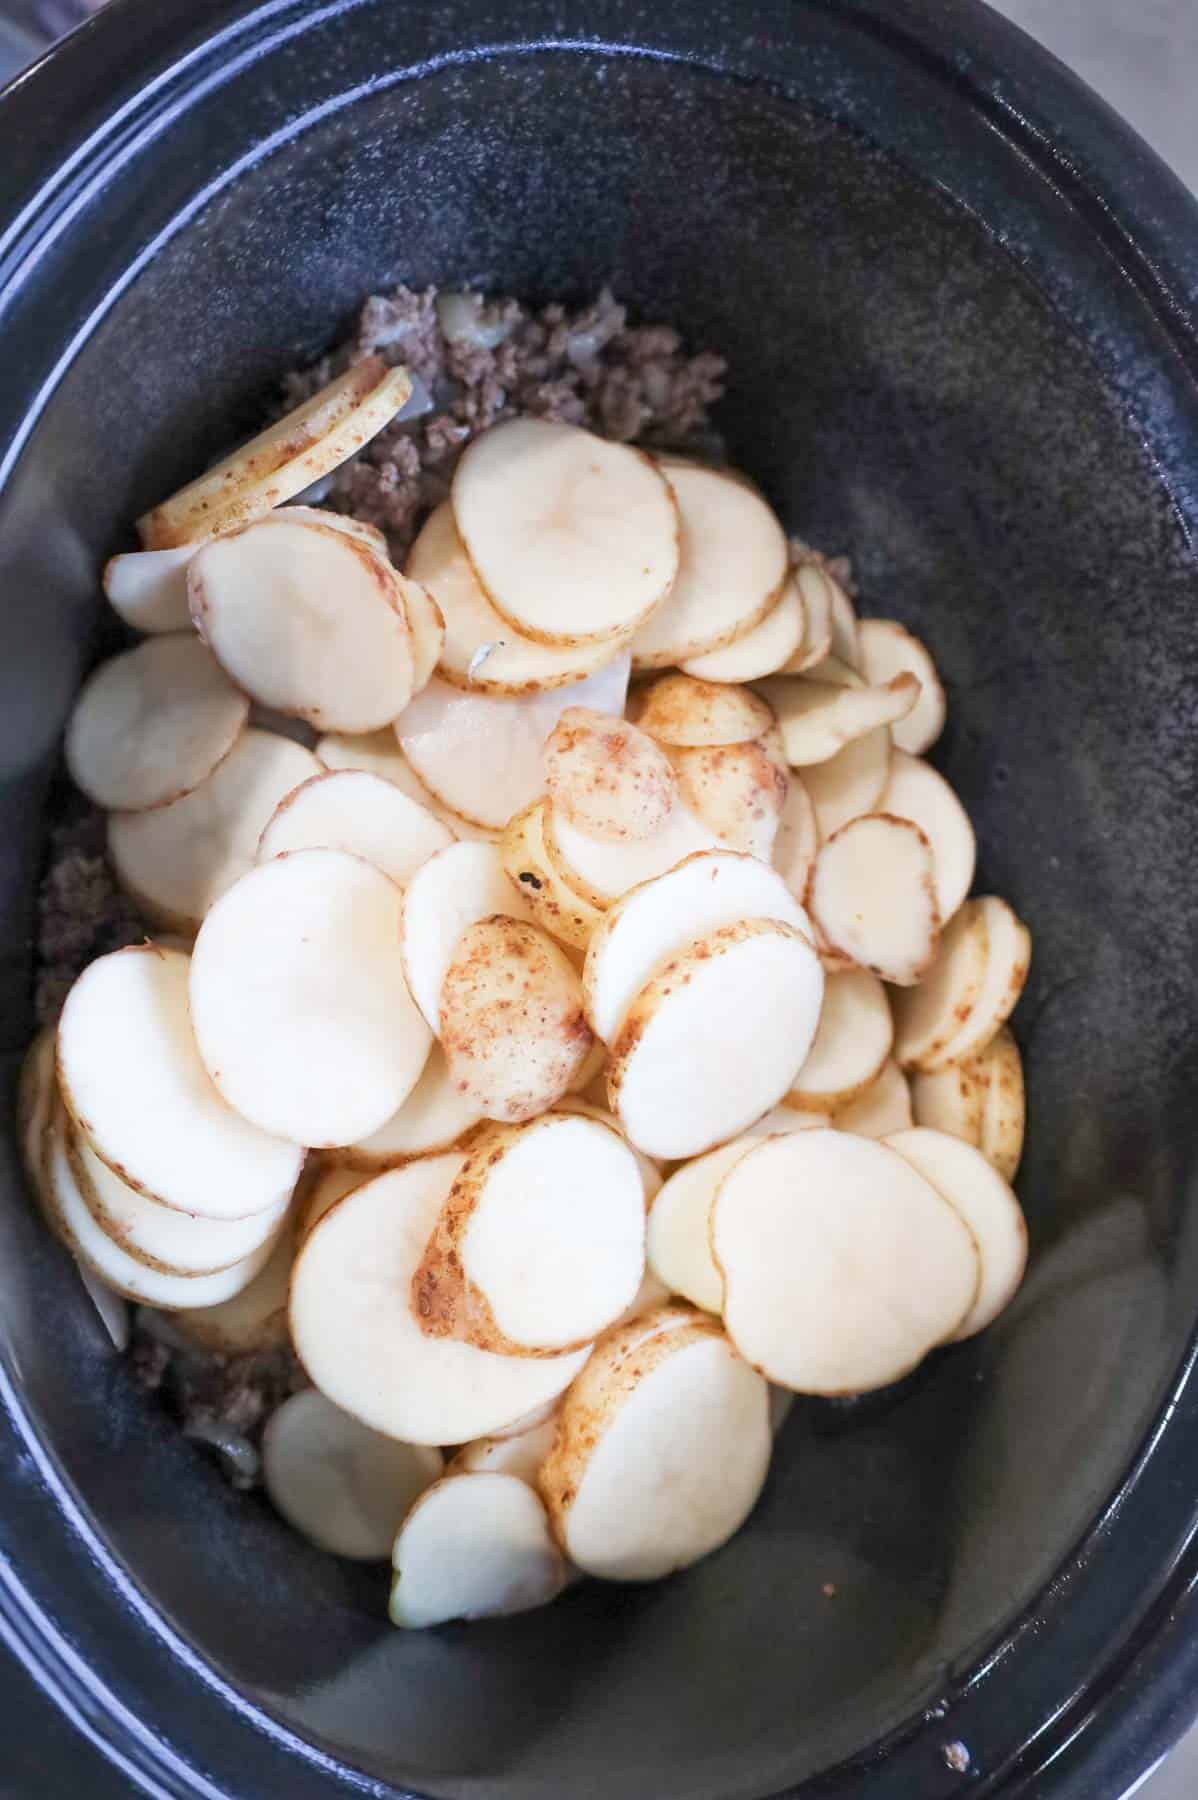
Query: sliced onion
463, 320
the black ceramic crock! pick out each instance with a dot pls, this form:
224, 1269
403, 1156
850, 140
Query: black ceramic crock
958, 299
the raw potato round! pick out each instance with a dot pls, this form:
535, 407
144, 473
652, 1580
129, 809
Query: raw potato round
929, 1016
339, 1484
884, 1106
370, 535
521, 1454
852, 1043
846, 639
654, 921
677, 1244
308, 620
889, 649
433, 1118
378, 753
152, 723
36, 1100
737, 791
842, 1266
253, 1320
952, 1099
331, 1183
601, 871
797, 842
474, 1547
818, 717
555, 906
770, 645
715, 1038
662, 1449
283, 460
484, 757
732, 565
540, 1245
917, 792
1004, 1114
364, 1348
1008, 959
133, 1081
689, 714
301, 1011
148, 588
178, 859
511, 1024
872, 897
482, 652
608, 777
651, 1176
850, 784
452, 891
990, 1210
362, 814
574, 539
815, 589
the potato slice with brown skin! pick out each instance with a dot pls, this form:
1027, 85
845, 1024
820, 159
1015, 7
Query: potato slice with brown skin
952, 1099
916, 791
851, 783
601, 871
651, 1176
255, 1319
852, 1043
677, 1244
521, 1453
796, 843
763, 650
815, 590
846, 640
872, 897
331, 1181
474, 1547
1008, 959
148, 588
512, 1025
555, 906
818, 717
884, 1106
36, 1099
434, 1118
927, 1017
607, 776
360, 813
1004, 1114
737, 791
688, 714
887, 649
447, 894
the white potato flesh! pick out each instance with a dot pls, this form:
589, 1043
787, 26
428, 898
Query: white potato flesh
483, 652
362, 814
483, 757
573, 538
449, 893
378, 753
677, 1243
651, 1177
177, 860
153, 723
528, 1422
1004, 1114
148, 588
36, 1099
132, 1078
884, 1106
1008, 959
474, 1547
873, 897
796, 844
340, 1485
766, 648
815, 590
652, 1294
364, 1348
520, 1454
540, 1245
601, 871
298, 997
818, 717
842, 1265
979, 1194
652, 922
715, 1038
689, 714
370, 535
308, 620
852, 1044
737, 791
952, 1099
610, 778
928, 1017
916, 791
297, 450
889, 649
158, 1235
846, 629
433, 1118
254, 1319
660, 1455
512, 1026
330, 1183
557, 907
851, 783
732, 566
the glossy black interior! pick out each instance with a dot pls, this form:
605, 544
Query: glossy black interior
996, 458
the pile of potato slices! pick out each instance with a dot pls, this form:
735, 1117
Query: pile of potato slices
568, 1025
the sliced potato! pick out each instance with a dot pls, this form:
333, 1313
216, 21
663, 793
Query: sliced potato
255, 1319
815, 589
283, 460
978, 1193
474, 1547
36, 1100
370, 535
365, 1349
331, 1182
600, 871
148, 588
354, 811
632, 1485
651, 1177
652, 1294
483, 757
450, 892
677, 1244
873, 900
846, 638
769, 646
917, 792
952, 1099
796, 844
884, 1106
610, 778
573, 538
715, 1038
842, 1265
929, 1016
435, 1117
520, 1453
732, 567
133, 1081
1004, 1114
301, 1010
851, 1046
482, 651
177, 860
1008, 959
737, 791
378, 753
152, 723
889, 649
540, 1244
555, 906
655, 920
851, 783
339, 1484
687, 713
308, 620
511, 1024
818, 717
